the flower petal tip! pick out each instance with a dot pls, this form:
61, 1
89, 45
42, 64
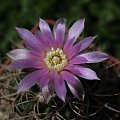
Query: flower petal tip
97, 78
107, 56
18, 29
62, 20
94, 37
41, 20
19, 91
83, 19
63, 99
8, 54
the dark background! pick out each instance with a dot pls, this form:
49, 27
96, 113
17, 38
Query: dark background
102, 19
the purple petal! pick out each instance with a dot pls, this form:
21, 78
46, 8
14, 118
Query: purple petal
76, 29
73, 34
26, 63
74, 84
69, 66
44, 79
94, 57
43, 42
68, 45
83, 44
59, 31
71, 53
60, 87
51, 86
30, 39
28, 81
78, 60
46, 31
53, 74
84, 72
46, 93
51, 81
20, 54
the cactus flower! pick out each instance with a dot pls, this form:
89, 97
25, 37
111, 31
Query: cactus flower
59, 59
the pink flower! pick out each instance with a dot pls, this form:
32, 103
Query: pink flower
57, 57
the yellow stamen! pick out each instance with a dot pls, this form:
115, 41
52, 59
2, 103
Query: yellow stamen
55, 59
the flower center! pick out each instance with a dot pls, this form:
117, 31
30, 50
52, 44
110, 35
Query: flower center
55, 59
